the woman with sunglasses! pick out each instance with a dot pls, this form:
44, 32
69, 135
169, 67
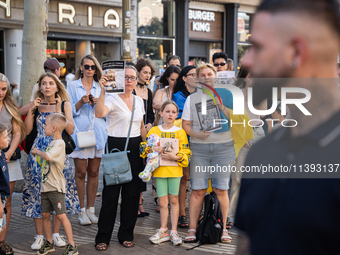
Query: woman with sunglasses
117, 109
220, 60
84, 92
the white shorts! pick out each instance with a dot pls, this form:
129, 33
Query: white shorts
87, 153
15, 173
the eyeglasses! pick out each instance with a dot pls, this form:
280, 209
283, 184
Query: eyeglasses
219, 64
132, 78
93, 67
192, 74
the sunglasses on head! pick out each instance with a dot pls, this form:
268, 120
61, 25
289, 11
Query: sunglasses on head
220, 64
87, 67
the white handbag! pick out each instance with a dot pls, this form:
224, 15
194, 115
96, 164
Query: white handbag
87, 138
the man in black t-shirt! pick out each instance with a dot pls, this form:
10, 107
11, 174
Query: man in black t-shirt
287, 213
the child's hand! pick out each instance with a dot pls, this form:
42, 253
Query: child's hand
169, 155
34, 151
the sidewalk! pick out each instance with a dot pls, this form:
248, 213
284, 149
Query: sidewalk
21, 233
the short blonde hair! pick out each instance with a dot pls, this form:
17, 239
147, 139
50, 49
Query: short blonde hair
57, 120
202, 65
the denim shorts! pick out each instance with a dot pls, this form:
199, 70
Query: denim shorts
215, 159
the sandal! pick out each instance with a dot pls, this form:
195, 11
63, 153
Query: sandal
229, 225
142, 214
182, 222
128, 244
101, 247
5, 248
226, 238
186, 239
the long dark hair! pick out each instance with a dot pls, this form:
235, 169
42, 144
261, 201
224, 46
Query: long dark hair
180, 85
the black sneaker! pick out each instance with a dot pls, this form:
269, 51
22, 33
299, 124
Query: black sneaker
46, 248
71, 250
5, 249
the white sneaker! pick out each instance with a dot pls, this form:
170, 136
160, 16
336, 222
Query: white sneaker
160, 236
59, 240
175, 239
90, 213
83, 219
38, 243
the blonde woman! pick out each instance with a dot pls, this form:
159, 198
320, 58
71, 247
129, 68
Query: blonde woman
44, 104
9, 116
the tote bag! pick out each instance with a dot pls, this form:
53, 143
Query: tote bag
117, 168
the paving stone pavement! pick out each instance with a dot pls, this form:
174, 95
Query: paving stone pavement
21, 233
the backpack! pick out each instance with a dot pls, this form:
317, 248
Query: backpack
210, 228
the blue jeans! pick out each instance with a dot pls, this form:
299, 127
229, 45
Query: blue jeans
215, 159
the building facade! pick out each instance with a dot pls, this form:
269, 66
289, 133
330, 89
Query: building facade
76, 28
193, 29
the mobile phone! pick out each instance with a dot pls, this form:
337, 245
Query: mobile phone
56, 94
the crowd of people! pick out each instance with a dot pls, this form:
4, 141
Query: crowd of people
138, 118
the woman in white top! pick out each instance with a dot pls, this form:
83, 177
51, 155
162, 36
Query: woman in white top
118, 108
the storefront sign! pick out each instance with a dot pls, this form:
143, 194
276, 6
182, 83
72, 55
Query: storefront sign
68, 12
203, 22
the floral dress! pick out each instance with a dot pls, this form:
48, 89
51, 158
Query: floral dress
31, 195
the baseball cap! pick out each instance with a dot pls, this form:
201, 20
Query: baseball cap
52, 64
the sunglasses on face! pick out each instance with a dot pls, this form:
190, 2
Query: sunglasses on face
220, 64
87, 67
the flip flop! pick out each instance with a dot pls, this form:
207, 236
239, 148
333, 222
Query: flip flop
101, 247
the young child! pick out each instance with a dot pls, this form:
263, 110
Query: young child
4, 174
168, 178
53, 187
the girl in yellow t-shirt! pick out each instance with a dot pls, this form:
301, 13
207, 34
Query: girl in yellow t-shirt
168, 178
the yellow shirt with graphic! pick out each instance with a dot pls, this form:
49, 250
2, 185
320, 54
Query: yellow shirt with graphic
183, 151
